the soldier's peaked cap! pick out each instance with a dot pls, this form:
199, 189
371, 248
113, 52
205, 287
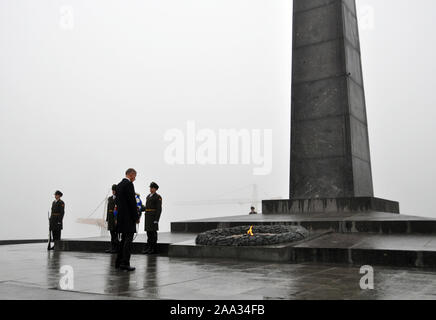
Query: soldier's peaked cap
154, 185
58, 193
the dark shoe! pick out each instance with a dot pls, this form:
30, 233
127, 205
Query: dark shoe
108, 251
146, 251
51, 248
127, 268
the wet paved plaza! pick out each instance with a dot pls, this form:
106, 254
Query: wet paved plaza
30, 272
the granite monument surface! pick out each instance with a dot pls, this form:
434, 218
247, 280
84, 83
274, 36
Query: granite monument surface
330, 156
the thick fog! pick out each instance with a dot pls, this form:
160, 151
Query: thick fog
90, 88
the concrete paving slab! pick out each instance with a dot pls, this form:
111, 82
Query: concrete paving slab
30, 272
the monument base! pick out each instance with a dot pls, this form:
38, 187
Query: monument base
333, 205
367, 238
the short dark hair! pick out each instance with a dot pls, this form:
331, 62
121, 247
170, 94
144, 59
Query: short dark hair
130, 171
253, 208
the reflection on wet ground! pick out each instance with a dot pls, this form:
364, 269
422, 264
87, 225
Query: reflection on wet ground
30, 272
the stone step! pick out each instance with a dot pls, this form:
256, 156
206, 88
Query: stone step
374, 222
397, 250
332, 205
21, 241
101, 244
357, 249
273, 253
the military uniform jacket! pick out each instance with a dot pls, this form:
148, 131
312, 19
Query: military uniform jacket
57, 215
110, 218
153, 210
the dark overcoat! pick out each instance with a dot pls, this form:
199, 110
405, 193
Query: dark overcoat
125, 201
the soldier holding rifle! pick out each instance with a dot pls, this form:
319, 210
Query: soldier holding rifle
56, 219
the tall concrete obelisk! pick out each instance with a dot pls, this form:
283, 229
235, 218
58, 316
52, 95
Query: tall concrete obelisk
330, 157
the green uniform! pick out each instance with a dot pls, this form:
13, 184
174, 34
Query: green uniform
56, 219
153, 210
110, 218
57, 215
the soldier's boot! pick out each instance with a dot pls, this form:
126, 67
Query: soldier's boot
111, 250
114, 248
146, 250
117, 263
127, 268
153, 249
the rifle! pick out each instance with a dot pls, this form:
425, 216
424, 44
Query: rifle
49, 232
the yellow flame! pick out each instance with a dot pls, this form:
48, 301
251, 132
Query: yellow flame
250, 232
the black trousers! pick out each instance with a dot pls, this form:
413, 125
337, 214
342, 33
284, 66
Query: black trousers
152, 239
114, 240
56, 235
124, 250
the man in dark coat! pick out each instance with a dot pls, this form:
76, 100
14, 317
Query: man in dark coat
127, 218
112, 221
153, 210
57, 217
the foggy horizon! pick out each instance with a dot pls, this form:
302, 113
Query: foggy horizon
88, 90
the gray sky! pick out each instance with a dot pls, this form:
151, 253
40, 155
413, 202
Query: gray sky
89, 88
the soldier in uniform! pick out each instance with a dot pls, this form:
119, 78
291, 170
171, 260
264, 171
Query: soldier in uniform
153, 210
57, 217
112, 221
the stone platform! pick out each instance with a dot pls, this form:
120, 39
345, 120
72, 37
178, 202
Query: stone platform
354, 249
30, 272
272, 253
372, 222
357, 239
